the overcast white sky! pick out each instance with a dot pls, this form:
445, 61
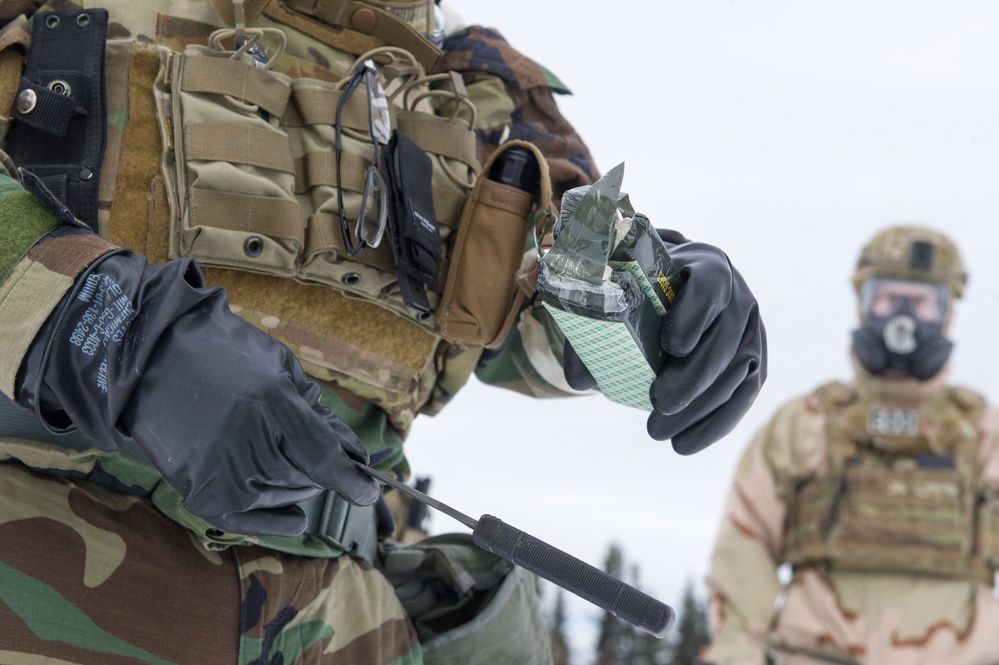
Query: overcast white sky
786, 133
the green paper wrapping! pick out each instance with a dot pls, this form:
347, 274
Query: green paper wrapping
607, 280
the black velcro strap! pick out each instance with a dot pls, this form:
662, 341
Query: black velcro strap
921, 256
59, 113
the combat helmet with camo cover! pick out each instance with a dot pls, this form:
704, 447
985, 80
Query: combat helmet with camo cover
912, 252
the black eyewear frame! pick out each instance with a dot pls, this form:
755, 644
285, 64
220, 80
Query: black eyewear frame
368, 232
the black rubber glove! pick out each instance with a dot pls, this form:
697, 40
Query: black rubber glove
223, 411
716, 351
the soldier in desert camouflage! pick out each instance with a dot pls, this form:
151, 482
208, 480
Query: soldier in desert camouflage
881, 493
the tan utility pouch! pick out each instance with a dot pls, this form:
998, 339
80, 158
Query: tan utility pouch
988, 527
481, 298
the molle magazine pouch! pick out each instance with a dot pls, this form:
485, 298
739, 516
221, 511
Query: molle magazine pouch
606, 280
413, 231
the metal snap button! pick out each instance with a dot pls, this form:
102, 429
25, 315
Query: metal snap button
86, 174
60, 87
27, 101
253, 246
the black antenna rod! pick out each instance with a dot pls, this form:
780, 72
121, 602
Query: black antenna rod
573, 575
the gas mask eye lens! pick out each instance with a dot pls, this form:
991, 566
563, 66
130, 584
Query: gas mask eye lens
883, 296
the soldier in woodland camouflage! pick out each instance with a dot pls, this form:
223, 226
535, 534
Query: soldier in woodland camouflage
178, 478
882, 494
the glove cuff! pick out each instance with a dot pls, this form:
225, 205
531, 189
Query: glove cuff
30, 389
80, 372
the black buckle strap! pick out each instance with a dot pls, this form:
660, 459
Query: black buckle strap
343, 525
60, 124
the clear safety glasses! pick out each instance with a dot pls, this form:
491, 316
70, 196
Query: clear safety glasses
369, 227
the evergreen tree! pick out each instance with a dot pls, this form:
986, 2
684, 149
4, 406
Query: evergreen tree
647, 649
556, 631
691, 629
619, 642
614, 641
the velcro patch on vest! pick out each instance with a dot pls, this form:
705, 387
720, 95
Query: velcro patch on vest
887, 421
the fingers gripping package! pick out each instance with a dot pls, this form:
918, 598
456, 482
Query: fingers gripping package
607, 280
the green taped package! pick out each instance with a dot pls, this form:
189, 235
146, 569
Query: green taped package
607, 280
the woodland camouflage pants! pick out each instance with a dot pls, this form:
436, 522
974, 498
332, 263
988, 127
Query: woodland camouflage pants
91, 576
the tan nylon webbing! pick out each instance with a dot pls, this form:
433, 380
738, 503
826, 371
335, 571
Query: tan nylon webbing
447, 199
15, 33
317, 106
226, 12
372, 21
319, 168
439, 137
342, 39
266, 215
242, 80
239, 144
324, 233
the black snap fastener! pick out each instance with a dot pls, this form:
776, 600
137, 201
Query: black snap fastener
83, 20
253, 246
86, 174
52, 21
351, 278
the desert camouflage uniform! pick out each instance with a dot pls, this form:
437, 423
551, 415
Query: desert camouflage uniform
831, 615
98, 560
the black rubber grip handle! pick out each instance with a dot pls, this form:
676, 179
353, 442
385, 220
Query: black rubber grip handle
578, 577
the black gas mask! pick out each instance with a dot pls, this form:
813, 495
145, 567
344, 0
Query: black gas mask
898, 334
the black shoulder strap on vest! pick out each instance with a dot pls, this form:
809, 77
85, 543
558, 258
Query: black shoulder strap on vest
59, 113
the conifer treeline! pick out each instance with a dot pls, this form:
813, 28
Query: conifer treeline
620, 643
